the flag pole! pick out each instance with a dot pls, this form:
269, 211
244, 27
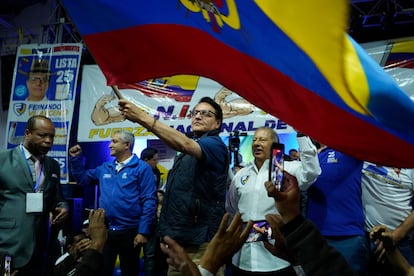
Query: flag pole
117, 92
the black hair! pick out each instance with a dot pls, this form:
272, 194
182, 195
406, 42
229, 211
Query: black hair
70, 237
148, 153
31, 123
216, 106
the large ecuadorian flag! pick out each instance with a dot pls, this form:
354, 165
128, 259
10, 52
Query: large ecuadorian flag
293, 59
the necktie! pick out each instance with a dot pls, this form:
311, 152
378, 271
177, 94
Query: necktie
37, 166
38, 171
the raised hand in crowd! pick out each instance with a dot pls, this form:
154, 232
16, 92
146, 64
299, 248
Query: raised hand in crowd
278, 248
227, 241
301, 238
178, 257
97, 230
287, 201
288, 204
387, 250
75, 150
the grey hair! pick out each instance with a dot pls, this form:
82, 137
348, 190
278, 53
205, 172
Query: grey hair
126, 136
273, 133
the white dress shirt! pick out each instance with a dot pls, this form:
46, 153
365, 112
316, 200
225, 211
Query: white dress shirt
248, 195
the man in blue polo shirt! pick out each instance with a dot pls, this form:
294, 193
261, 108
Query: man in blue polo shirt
195, 193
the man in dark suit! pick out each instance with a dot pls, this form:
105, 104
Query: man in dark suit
29, 197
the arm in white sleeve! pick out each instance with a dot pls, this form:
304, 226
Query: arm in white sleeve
307, 169
232, 199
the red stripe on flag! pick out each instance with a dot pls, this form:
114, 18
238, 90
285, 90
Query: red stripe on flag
145, 54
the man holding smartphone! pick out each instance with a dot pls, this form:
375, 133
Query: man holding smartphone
248, 195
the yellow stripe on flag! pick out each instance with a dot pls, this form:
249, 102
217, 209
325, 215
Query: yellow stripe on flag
318, 28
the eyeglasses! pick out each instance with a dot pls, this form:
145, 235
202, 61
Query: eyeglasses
41, 79
203, 113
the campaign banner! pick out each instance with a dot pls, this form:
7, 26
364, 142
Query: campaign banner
396, 56
168, 99
44, 83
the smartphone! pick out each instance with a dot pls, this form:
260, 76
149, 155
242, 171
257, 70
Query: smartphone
6, 265
276, 165
260, 231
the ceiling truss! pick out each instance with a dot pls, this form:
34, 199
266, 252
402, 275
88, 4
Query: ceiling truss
381, 19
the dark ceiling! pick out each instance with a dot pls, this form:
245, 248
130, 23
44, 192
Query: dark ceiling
14, 6
373, 20
11, 8
370, 20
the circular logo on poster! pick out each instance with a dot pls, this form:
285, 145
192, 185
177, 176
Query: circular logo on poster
20, 90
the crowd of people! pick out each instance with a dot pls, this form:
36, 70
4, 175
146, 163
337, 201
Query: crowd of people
335, 215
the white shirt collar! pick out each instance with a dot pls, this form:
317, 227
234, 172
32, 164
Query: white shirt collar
126, 161
120, 165
27, 153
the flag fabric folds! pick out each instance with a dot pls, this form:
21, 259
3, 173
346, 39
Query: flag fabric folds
292, 59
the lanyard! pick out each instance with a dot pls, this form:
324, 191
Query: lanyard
37, 186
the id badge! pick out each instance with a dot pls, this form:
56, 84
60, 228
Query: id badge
34, 202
